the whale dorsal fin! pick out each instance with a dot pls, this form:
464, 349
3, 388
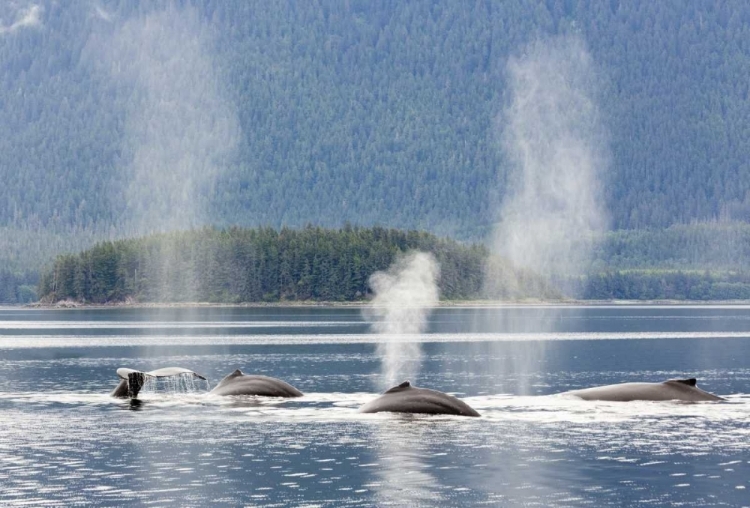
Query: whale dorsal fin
689, 381
405, 384
229, 377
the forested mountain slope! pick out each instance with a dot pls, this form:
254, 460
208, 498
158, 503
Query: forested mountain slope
371, 112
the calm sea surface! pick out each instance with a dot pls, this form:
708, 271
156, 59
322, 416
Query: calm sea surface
64, 441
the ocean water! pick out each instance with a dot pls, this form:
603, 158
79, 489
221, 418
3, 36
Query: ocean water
65, 441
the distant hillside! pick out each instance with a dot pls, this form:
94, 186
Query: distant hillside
288, 113
717, 247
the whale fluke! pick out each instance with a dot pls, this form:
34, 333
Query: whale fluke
239, 383
673, 389
131, 380
406, 398
130, 384
123, 372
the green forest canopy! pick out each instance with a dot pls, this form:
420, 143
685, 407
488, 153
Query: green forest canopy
252, 265
239, 265
368, 112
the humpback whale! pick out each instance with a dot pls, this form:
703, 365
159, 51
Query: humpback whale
238, 383
672, 389
406, 398
131, 380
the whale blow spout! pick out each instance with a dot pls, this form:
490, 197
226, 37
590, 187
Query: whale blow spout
131, 380
685, 390
406, 398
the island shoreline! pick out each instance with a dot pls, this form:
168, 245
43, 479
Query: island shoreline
458, 304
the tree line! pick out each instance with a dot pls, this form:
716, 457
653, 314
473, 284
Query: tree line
253, 265
237, 265
722, 246
666, 285
18, 287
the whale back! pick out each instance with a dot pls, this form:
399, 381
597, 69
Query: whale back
405, 398
688, 382
673, 389
229, 377
238, 383
687, 390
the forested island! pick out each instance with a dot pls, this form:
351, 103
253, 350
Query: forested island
239, 265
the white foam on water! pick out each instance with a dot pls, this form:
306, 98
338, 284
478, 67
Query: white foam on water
186, 395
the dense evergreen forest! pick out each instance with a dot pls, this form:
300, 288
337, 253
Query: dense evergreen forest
18, 288
120, 118
253, 265
371, 112
239, 265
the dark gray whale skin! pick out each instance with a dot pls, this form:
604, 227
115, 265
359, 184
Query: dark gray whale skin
406, 398
673, 389
238, 383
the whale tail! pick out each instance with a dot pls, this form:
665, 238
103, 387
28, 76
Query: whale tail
130, 386
131, 380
